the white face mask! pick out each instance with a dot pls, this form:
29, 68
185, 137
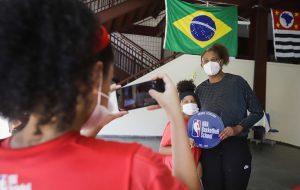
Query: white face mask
99, 113
212, 68
190, 109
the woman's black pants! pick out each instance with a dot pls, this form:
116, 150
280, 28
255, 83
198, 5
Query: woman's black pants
227, 166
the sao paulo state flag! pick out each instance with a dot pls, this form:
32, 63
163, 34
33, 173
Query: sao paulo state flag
286, 31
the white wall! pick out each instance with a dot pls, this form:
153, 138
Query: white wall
4, 128
151, 123
283, 101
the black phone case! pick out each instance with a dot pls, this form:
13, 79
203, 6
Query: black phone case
157, 85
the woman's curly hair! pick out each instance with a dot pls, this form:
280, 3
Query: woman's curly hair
186, 86
46, 50
220, 50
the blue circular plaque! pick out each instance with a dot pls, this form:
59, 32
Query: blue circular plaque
205, 127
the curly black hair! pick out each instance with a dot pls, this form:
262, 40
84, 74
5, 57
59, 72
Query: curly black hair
46, 50
186, 86
220, 50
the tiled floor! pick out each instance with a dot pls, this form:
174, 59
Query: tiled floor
274, 167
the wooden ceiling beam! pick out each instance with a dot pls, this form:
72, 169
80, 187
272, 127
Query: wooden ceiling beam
118, 11
292, 5
245, 10
141, 30
244, 6
280, 4
156, 31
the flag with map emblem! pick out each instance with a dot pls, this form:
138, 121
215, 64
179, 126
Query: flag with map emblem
286, 33
191, 28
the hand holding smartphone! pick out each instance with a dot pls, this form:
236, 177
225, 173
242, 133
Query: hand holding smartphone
137, 96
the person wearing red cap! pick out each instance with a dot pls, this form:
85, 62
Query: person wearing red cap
56, 67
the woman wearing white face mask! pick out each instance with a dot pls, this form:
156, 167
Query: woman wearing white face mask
100, 117
228, 165
189, 107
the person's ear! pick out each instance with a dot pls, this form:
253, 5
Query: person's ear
201, 63
221, 62
181, 102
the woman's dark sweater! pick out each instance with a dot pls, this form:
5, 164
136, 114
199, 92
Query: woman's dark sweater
230, 99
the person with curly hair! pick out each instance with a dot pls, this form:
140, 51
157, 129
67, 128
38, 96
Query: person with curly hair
189, 105
56, 70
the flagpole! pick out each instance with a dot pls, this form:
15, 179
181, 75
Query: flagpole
166, 24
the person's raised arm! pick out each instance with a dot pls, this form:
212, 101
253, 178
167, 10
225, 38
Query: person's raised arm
91, 129
183, 163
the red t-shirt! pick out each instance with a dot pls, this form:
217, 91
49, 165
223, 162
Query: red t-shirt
166, 141
72, 161
297, 188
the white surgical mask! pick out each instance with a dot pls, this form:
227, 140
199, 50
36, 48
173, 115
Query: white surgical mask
190, 109
212, 68
100, 112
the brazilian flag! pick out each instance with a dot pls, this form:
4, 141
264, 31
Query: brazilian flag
191, 28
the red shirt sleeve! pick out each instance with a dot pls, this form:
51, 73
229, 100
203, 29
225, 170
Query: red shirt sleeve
149, 172
166, 137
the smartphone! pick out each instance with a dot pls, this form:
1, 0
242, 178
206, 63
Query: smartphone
137, 96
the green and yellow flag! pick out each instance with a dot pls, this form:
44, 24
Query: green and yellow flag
191, 28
